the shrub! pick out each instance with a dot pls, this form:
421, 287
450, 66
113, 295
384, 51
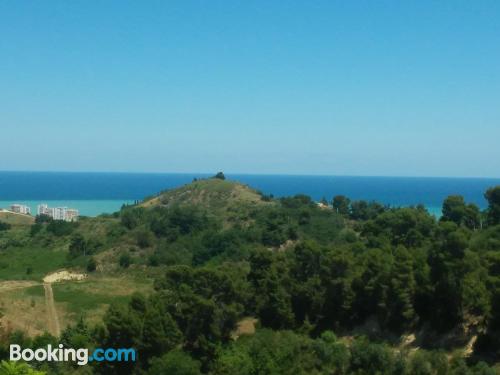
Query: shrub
125, 260
4, 226
91, 265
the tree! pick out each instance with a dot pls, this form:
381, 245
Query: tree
492, 195
91, 265
220, 176
123, 326
160, 333
447, 260
402, 291
402, 226
332, 354
205, 305
268, 352
271, 302
61, 228
428, 363
234, 361
371, 358
125, 260
456, 210
472, 219
363, 210
341, 204
175, 362
132, 217
78, 245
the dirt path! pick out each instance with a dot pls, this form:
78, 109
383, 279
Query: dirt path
5, 286
52, 319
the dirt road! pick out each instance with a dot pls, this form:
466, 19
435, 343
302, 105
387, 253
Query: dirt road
52, 319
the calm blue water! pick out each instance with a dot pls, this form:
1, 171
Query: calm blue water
96, 193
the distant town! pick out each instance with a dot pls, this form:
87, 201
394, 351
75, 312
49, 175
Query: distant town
56, 213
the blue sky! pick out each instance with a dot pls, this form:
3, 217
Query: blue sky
401, 88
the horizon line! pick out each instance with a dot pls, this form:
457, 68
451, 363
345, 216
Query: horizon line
249, 174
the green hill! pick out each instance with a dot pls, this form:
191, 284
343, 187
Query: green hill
213, 193
229, 201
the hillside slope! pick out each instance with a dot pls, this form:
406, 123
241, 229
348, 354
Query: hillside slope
221, 198
16, 219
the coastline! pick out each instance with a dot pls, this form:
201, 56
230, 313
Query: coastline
87, 207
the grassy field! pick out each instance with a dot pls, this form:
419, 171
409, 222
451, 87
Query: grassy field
90, 298
25, 263
22, 305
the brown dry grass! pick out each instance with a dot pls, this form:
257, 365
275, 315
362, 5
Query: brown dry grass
245, 326
23, 311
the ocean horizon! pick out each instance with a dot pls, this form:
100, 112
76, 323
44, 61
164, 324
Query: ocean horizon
95, 193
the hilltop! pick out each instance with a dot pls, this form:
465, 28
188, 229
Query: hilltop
211, 193
228, 201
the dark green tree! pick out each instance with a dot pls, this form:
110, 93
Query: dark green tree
78, 245
125, 260
402, 291
341, 204
492, 195
271, 301
175, 362
454, 209
220, 176
91, 265
160, 334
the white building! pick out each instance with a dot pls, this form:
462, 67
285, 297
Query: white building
58, 213
43, 209
71, 214
20, 209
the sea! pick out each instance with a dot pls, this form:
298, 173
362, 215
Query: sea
98, 193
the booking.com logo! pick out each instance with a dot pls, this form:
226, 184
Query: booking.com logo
80, 356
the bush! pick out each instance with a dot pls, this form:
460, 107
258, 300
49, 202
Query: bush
35, 229
40, 219
61, 228
91, 265
125, 260
144, 238
4, 226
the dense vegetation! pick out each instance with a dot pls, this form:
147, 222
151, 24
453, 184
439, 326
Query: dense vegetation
352, 288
